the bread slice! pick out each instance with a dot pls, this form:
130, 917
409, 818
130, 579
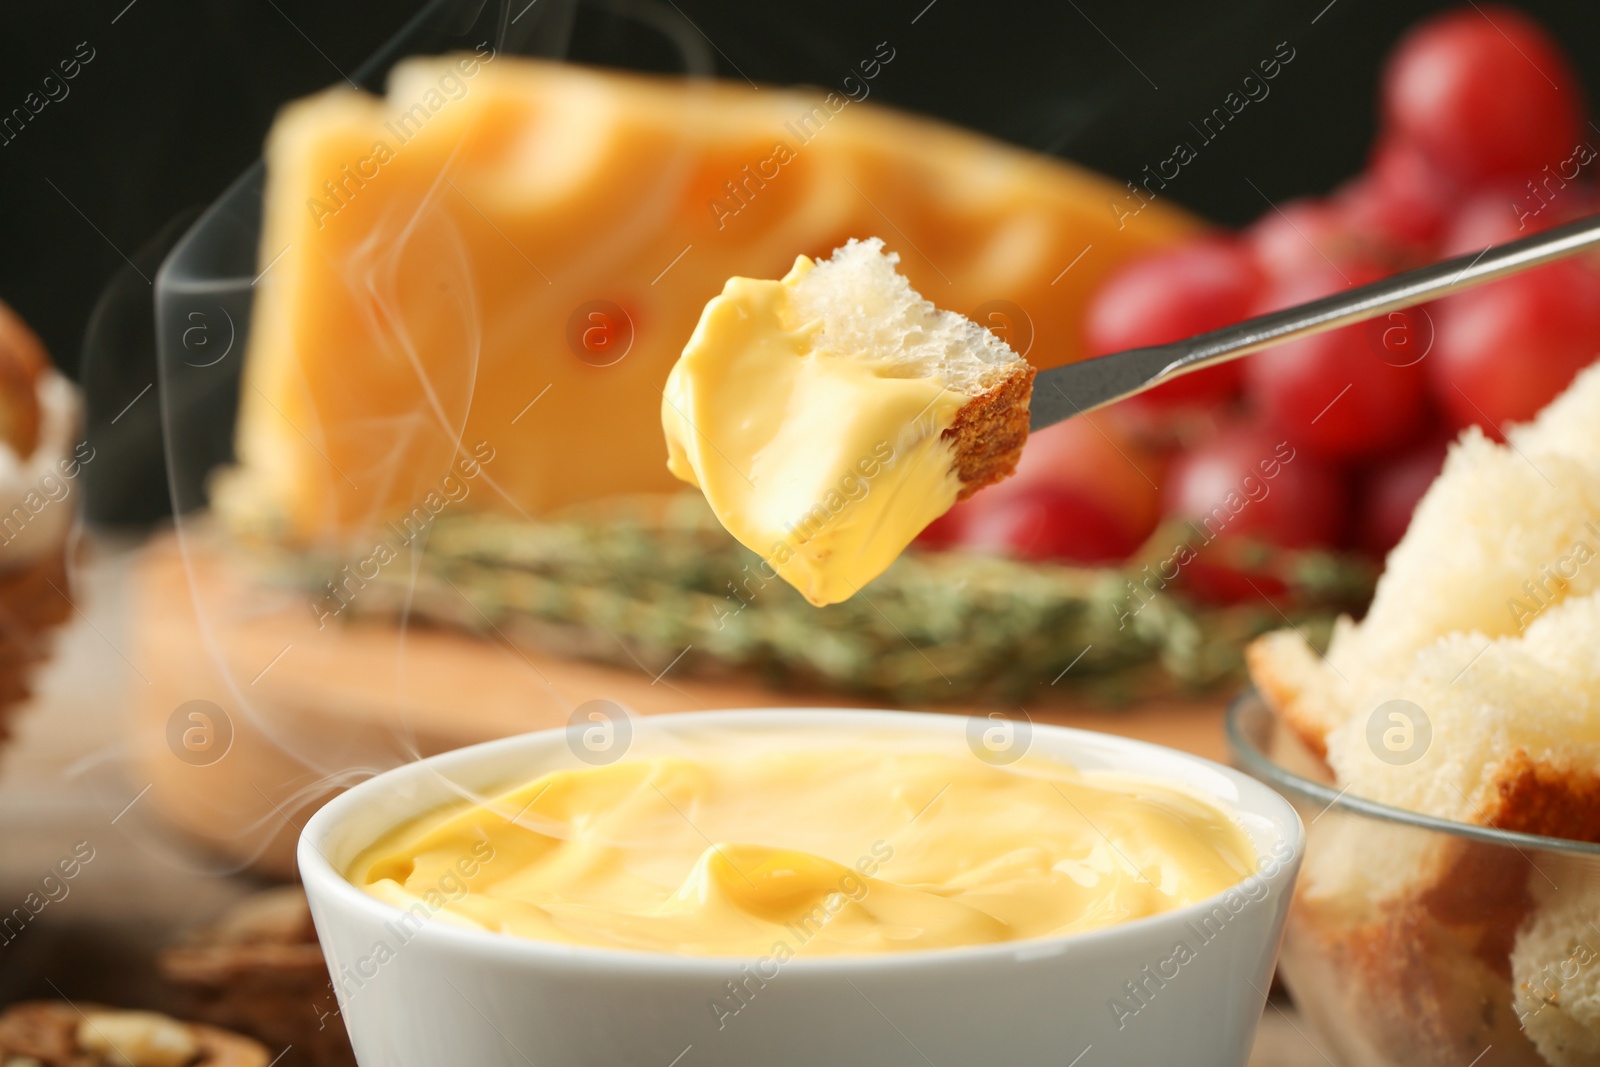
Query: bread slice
1515, 733
1487, 620
869, 311
1501, 536
1555, 965
1515, 745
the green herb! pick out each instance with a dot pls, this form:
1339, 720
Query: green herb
636, 581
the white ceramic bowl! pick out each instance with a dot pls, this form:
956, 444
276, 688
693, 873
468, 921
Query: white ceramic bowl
1185, 987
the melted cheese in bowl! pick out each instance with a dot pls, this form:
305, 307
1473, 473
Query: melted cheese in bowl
777, 852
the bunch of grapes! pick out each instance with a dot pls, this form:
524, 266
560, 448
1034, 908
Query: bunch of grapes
1484, 138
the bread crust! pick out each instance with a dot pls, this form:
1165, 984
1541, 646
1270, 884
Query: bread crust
1552, 800
989, 431
1280, 685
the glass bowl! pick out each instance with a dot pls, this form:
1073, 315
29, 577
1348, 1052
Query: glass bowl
1417, 941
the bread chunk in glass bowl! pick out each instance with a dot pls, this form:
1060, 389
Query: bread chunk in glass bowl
1415, 940
1444, 752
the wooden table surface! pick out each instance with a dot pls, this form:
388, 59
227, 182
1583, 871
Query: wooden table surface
72, 774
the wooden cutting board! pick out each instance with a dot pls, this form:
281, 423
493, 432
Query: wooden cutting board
292, 711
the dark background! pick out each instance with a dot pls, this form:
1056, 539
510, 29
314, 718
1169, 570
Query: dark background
180, 93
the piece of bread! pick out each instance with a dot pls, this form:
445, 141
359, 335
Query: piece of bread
1502, 535
1399, 938
1555, 965
869, 310
1396, 985
48, 1033
1487, 621
830, 416
1294, 681
1515, 725
1421, 924
1494, 520
1458, 882
1338, 876
22, 360
1568, 426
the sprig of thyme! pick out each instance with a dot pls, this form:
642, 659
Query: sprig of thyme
638, 580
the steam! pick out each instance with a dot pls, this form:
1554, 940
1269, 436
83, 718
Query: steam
424, 233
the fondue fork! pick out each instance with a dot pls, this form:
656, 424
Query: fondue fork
1062, 392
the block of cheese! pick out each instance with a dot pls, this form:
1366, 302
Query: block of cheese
473, 289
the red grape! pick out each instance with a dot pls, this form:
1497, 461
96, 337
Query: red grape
1040, 522
946, 530
1485, 92
1244, 488
1508, 348
1084, 492
1251, 482
1508, 210
1096, 454
1390, 492
1403, 199
1333, 394
1303, 235
1172, 295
